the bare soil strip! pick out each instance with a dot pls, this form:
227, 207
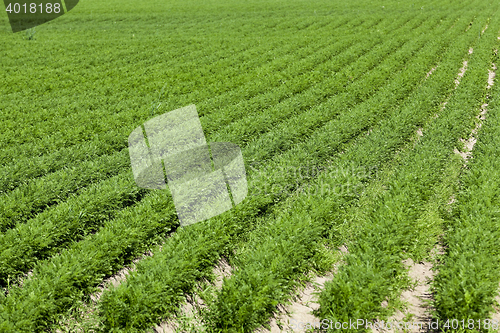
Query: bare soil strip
296, 316
189, 319
466, 154
461, 73
418, 311
491, 80
299, 313
430, 72
418, 300
471, 141
496, 315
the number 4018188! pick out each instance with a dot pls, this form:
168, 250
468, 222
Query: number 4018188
33, 8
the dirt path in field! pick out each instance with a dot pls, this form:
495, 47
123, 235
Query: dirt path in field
467, 154
86, 312
419, 298
298, 315
491, 80
415, 318
189, 319
417, 314
461, 73
469, 143
116, 279
496, 314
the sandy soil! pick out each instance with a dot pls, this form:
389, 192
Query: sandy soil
417, 299
467, 153
430, 72
189, 310
496, 313
471, 141
300, 310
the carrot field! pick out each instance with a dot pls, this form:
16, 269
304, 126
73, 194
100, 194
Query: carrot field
370, 135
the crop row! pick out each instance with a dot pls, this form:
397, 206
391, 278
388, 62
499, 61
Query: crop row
469, 276
393, 230
44, 167
106, 138
243, 214
24, 234
70, 275
287, 83
351, 82
181, 39
27, 201
50, 195
242, 61
68, 222
132, 306
271, 266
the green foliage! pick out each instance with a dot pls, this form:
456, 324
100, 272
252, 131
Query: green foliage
32, 198
346, 125
70, 221
244, 311
335, 86
389, 233
74, 273
468, 278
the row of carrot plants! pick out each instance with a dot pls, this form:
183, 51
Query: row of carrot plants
132, 306
246, 58
19, 234
69, 276
46, 234
26, 168
24, 236
468, 278
293, 78
342, 79
392, 230
25, 202
259, 204
267, 271
38, 125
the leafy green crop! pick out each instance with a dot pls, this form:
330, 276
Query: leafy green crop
468, 278
143, 283
390, 232
313, 92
